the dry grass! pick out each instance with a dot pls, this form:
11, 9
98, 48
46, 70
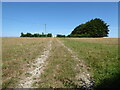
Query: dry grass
60, 70
100, 54
17, 55
97, 40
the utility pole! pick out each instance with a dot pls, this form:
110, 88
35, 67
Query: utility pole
45, 30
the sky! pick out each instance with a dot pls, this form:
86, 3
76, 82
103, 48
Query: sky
59, 17
60, 0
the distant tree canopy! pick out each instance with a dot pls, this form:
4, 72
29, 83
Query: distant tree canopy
35, 35
59, 35
93, 28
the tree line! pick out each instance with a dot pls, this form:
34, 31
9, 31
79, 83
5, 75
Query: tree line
59, 35
93, 28
35, 35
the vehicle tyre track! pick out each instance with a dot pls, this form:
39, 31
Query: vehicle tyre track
84, 79
36, 69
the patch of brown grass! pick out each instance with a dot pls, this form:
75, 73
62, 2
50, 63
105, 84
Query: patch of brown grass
97, 40
60, 71
17, 54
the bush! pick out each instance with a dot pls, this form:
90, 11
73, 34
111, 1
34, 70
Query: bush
58, 35
49, 35
35, 35
78, 35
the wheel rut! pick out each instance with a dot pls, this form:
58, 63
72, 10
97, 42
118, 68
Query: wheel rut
36, 68
83, 77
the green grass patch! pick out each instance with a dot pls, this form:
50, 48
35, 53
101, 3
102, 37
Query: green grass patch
100, 56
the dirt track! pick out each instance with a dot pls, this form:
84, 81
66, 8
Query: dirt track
36, 69
38, 66
84, 77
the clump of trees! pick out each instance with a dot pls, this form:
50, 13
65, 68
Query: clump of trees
93, 28
61, 36
35, 35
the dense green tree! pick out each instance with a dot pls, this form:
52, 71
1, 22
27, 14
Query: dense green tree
35, 35
28, 35
22, 34
93, 28
59, 35
49, 35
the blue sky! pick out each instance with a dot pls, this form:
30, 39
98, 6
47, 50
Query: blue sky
60, 17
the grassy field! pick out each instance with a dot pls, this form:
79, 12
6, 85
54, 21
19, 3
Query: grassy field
18, 53
60, 69
101, 54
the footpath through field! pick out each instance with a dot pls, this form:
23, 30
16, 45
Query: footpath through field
36, 69
57, 67
84, 80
